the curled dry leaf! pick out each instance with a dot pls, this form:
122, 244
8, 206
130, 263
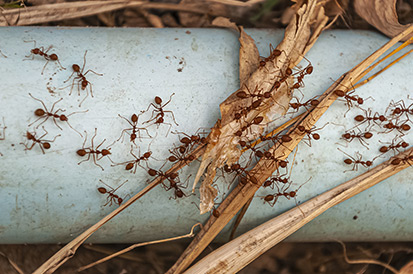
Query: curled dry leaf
382, 15
268, 76
407, 269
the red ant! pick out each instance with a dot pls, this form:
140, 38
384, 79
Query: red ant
45, 114
91, 151
43, 144
398, 161
356, 162
160, 113
349, 98
194, 139
134, 163
112, 197
135, 129
310, 133
394, 146
273, 54
41, 52
270, 182
400, 108
242, 94
256, 121
171, 177
368, 117
310, 103
271, 199
81, 79
351, 135
400, 128
177, 156
241, 172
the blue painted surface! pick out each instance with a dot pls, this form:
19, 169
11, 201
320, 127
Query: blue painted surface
50, 198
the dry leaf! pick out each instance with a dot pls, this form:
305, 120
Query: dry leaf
382, 15
299, 37
407, 269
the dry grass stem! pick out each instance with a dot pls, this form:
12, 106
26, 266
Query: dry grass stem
12, 263
238, 253
189, 235
69, 250
243, 193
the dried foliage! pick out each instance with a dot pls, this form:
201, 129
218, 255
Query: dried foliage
382, 15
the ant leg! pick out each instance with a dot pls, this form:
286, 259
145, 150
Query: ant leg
80, 134
45, 66
60, 65
100, 74
69, 77
99, 144
94, 138
94, 160
90, 87
87, 94
84, 61
123, 131
168, 111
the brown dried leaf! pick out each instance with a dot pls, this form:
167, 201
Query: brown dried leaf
299, 37
382, 15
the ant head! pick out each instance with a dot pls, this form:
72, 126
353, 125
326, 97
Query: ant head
182, 149
396, 161
276, 53
76, 68
120, 200
35, 51
369, 163
277, 84
382, 118
296, 85
39, 112
397, 111
172, 159
238, 133
46, 145
29, 136
262, 63
227, 168
105, 152
134, 118
241, 94
283, 164
63, 118
288, 71
158, 100
53, 57
242, 143
102, 190
204, 140
191, 157
237, 116
301, 128
267, 94
235, 166
360, 101
292, 194
267, 154
173, 175
404, 144
309, 70
129, 166
294, 105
